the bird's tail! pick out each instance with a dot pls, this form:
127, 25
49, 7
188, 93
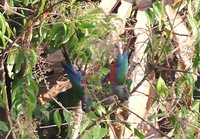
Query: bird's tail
66, 56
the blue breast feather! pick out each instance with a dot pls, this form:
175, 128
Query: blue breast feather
122, 69
75, 77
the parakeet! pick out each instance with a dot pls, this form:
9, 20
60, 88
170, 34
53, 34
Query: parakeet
118, 75
78, 82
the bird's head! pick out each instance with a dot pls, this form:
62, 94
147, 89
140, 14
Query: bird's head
81, 75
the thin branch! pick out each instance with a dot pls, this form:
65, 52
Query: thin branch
7, 101
162, 133
98, 121
175, 70
77, 122
61, 105
8, 134
50, 126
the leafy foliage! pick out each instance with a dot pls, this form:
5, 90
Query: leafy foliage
86, 31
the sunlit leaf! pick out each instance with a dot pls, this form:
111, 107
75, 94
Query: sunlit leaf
138, 134
84, 125
4, 94
69, 31
2, 25
72, 1
96, 131
92, 115
3, 126
159, 11
94, 11
57, 119
11, 61
19, 61
195, 106
42, 4
195, 29
26, 2
100, 109
67, 117
103, 132
33, 57
87, 135
54, 30
127, 125
161, 87
151, 16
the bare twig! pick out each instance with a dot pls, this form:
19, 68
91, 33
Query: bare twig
60, 105
77, 122
98, 121
162, 133
50, 126
7, 102
8, 134
175, 70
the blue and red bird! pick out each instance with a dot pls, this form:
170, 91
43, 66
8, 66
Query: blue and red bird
77, 80
118, 75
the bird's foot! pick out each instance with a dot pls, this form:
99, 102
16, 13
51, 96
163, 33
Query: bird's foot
125, 94
86, 104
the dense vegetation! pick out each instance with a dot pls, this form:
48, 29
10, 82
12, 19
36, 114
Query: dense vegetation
32, 31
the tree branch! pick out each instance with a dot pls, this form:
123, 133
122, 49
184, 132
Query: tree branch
97, 122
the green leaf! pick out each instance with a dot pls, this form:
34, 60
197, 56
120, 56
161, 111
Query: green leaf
17, 107
94, 11
72, 1
67, 117
96, 131
33, 57
29, 108
190, 8
3, 126
195, 106
197, 6
4, 94
84, 125
162, 88
127, 125
11, 60
55, 29
26, 2
92, 115
138, 133
159, 11
3, 40
42, 5
85, 25
43, 29
2, 25
58, 120
195, 29
151, 16
105, 71
154, 116
103, 133
33, 85
100, 109
87, 135
168, 49
69, 31
19, 61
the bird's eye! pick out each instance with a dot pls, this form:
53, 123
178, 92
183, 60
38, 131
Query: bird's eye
83, 72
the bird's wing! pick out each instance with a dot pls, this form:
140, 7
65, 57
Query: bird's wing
122, 69
112, 73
